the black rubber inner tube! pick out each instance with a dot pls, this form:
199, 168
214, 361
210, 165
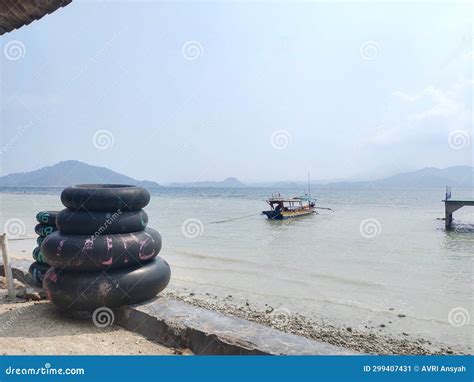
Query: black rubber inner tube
105, 197
99, 222
37, 271
87, 291
39, 240
47, 217
90, 253
38, 255
45, 229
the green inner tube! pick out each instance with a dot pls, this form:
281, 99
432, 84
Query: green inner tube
38, 256
44, 229
47, 217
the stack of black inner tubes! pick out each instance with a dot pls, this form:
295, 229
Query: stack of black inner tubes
46, 226
103, 254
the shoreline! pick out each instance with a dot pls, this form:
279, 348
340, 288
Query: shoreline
367, 341
346, 337
279, 318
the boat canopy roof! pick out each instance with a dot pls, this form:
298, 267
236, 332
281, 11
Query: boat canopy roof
283, 200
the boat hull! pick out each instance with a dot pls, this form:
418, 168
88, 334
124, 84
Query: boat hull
281, 215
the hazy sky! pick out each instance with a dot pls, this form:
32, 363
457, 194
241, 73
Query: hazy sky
260, 91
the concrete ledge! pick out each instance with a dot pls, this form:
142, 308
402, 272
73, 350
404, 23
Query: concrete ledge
174, 323
177, 324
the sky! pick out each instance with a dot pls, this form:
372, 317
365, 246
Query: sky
261, 91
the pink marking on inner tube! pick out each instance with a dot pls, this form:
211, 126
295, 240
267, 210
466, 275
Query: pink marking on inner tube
60, 247
143, 244
110, 245
88, 246
48, 294
125, 248
52, 276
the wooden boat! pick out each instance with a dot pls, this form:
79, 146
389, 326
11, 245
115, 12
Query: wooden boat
288, 208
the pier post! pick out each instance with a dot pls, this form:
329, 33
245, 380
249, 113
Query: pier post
7, 266
448, 217
451, 206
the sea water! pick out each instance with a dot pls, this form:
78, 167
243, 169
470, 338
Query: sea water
381, 257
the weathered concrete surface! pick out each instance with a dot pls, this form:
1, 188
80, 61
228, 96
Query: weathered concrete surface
15, 13
174, 323
179, 325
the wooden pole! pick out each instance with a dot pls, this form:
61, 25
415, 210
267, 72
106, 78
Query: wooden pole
7, 266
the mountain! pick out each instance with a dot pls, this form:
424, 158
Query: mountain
226, 183
72, 172
456, 176
68, 173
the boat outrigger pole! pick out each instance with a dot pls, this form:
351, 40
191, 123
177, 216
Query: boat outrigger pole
309, 188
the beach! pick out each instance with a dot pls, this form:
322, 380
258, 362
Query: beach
36, 328
400, 284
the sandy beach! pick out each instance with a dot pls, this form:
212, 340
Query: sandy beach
36, 328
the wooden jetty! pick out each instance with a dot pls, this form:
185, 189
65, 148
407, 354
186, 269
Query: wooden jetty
452, 205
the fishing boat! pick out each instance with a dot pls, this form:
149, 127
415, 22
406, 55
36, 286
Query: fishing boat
288, 208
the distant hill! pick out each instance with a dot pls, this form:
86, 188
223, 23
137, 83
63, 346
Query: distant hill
74, 172
68, 173
226, 183
456, 176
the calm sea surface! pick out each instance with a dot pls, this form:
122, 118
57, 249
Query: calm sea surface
380, 254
